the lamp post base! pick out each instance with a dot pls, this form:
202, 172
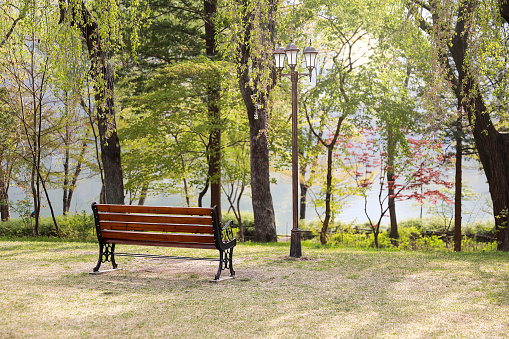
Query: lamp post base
295, 248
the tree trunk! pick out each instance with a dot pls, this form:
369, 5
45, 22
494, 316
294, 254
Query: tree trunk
203, 192
5, 211
492, 146
391, 181
34, 183
74, 180
328, 194
65, 199
213, 96
303, 194
392, 209
458, 182
110, 144
143, 194
102, 74
239, 217
263, 208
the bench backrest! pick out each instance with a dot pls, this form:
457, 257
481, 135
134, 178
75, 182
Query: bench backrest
156, 225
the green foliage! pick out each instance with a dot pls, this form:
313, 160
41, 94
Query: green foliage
247, 221
414, 234
72, 227
164, 128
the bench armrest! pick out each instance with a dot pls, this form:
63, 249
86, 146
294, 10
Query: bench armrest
228, 224
227, 235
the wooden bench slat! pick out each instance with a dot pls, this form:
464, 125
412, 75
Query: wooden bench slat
204, 211
163, 244
164, 219
166, 226
154, 227
158, 237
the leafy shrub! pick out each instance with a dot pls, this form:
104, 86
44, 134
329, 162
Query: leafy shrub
75, 226
247, 222
414, 234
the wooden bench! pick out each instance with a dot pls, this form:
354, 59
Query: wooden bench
190, 227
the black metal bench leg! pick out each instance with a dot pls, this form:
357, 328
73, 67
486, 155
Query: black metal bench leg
220, 266
113, 263
225, 261
106, 253
99, 261
230, 254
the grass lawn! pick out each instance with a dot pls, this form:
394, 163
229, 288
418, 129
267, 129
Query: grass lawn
46, 291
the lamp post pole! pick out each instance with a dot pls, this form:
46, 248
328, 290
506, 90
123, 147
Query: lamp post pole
295, 246
280, 55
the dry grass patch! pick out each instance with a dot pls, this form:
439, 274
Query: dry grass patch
331, 293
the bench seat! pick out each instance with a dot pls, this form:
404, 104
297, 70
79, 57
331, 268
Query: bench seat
165, 226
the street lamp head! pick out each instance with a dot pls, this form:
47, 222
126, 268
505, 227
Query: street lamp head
291, 53
279, 57
310, 56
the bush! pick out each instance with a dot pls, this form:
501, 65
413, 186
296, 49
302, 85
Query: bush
428, 234
247, 222
72, 226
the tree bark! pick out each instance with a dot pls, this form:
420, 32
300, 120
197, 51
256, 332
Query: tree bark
391, 180
69, 190
65, 200
263, 208
303, 193
102, 74
492, 145
5, 211
213, 96
458, 181
328, 195
143, 194
504, 9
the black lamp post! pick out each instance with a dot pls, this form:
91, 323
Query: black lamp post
280, 54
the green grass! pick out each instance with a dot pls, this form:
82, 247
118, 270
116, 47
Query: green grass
329, 293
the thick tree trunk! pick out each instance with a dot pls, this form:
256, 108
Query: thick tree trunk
215, 150
110, 144
492, 146
213, 94
102, 74
263, 208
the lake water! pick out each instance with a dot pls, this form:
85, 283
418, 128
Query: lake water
88, 192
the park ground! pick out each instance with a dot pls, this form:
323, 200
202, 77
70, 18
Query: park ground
47, 292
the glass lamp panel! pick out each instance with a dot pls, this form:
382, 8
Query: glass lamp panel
291, 53
307, 58
310, 57
279, 57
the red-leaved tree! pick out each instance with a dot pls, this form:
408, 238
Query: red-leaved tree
416, 175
